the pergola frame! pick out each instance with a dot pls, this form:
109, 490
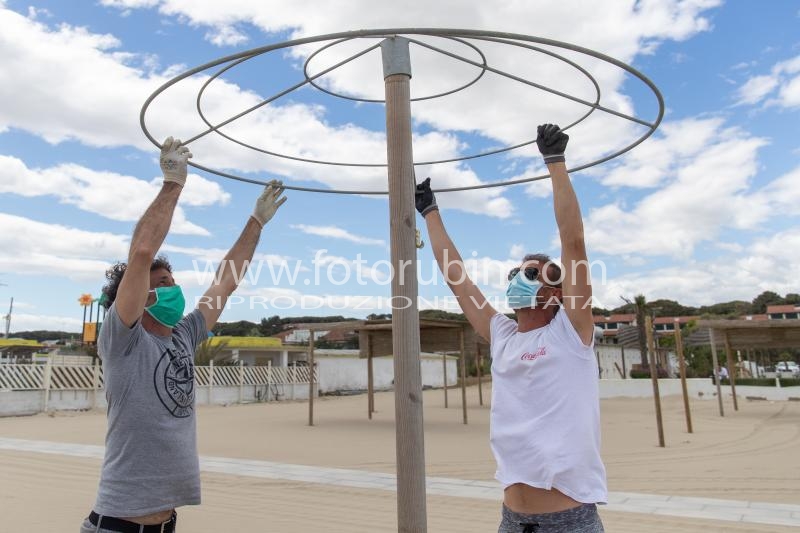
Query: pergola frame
436, 336
747, 335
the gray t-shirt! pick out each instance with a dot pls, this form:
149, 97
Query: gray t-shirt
151, 462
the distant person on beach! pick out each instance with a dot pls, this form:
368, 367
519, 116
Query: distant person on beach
151, 465
545, 418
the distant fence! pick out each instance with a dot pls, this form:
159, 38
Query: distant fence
31, 388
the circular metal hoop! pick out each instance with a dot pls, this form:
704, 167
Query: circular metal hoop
517, 40
373, 101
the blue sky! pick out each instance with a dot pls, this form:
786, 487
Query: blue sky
702, 212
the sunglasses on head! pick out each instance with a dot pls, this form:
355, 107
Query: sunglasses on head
531, 273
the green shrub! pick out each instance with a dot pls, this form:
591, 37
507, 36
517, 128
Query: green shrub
754, 382
639, 373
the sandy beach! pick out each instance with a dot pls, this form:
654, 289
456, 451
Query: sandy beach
750, 455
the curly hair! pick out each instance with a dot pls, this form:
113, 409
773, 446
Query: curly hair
115, 273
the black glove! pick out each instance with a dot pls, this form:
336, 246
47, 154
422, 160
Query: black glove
424, 198
551, 142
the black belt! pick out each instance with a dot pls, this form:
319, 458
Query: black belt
125, 526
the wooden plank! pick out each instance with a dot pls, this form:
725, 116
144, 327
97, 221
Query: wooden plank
651, 349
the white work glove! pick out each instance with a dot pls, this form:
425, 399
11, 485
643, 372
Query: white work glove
269, 202
173, 161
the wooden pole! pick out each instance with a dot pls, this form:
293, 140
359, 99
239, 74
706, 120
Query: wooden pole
599, 368
269, 379
444, 373
715, 364
409, 435
624, 370
731, 370
210, 382
48, 370
479, 369
95, 380
463, 359
293, 377
311, 378
241, 381
682, 368
83, 328
651, 348
370, 379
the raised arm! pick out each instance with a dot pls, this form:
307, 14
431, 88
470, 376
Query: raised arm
576, 285
237, 260
470, 298
150, 233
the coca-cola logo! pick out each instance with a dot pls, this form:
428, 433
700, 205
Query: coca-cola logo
531, 356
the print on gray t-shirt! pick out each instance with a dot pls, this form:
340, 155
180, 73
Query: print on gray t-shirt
151, 461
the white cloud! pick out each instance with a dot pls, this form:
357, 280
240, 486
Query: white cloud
57, 251
755, 89
338, 270
226, 36
32, 322
99, 104
706, 187
621, 30
769, 263
517, 250
333, 232
263, 268
781, 87
133, 4
676, 145
539, 188
108, 194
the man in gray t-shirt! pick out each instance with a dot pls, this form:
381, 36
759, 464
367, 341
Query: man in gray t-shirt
151, 465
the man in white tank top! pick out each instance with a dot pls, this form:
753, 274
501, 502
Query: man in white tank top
545, 420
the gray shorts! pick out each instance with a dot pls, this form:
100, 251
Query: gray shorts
581, 519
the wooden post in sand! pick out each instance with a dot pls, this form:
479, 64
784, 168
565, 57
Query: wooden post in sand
731, 370
241, 381
211, 382
715, 365
682, 367
478, 369
651, 348
48, 376
95, 380
311, 378
624, 370
463, 359
370, 379
269, 379
410, 440
444, 374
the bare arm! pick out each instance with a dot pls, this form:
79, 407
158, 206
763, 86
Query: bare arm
230, 273
577, 287
150, 233
237, 260
470, 298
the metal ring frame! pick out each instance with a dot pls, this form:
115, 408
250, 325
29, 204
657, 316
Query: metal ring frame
456, 35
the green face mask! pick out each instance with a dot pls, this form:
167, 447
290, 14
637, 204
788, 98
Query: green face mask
169, 305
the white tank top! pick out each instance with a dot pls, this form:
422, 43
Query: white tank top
545, 421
